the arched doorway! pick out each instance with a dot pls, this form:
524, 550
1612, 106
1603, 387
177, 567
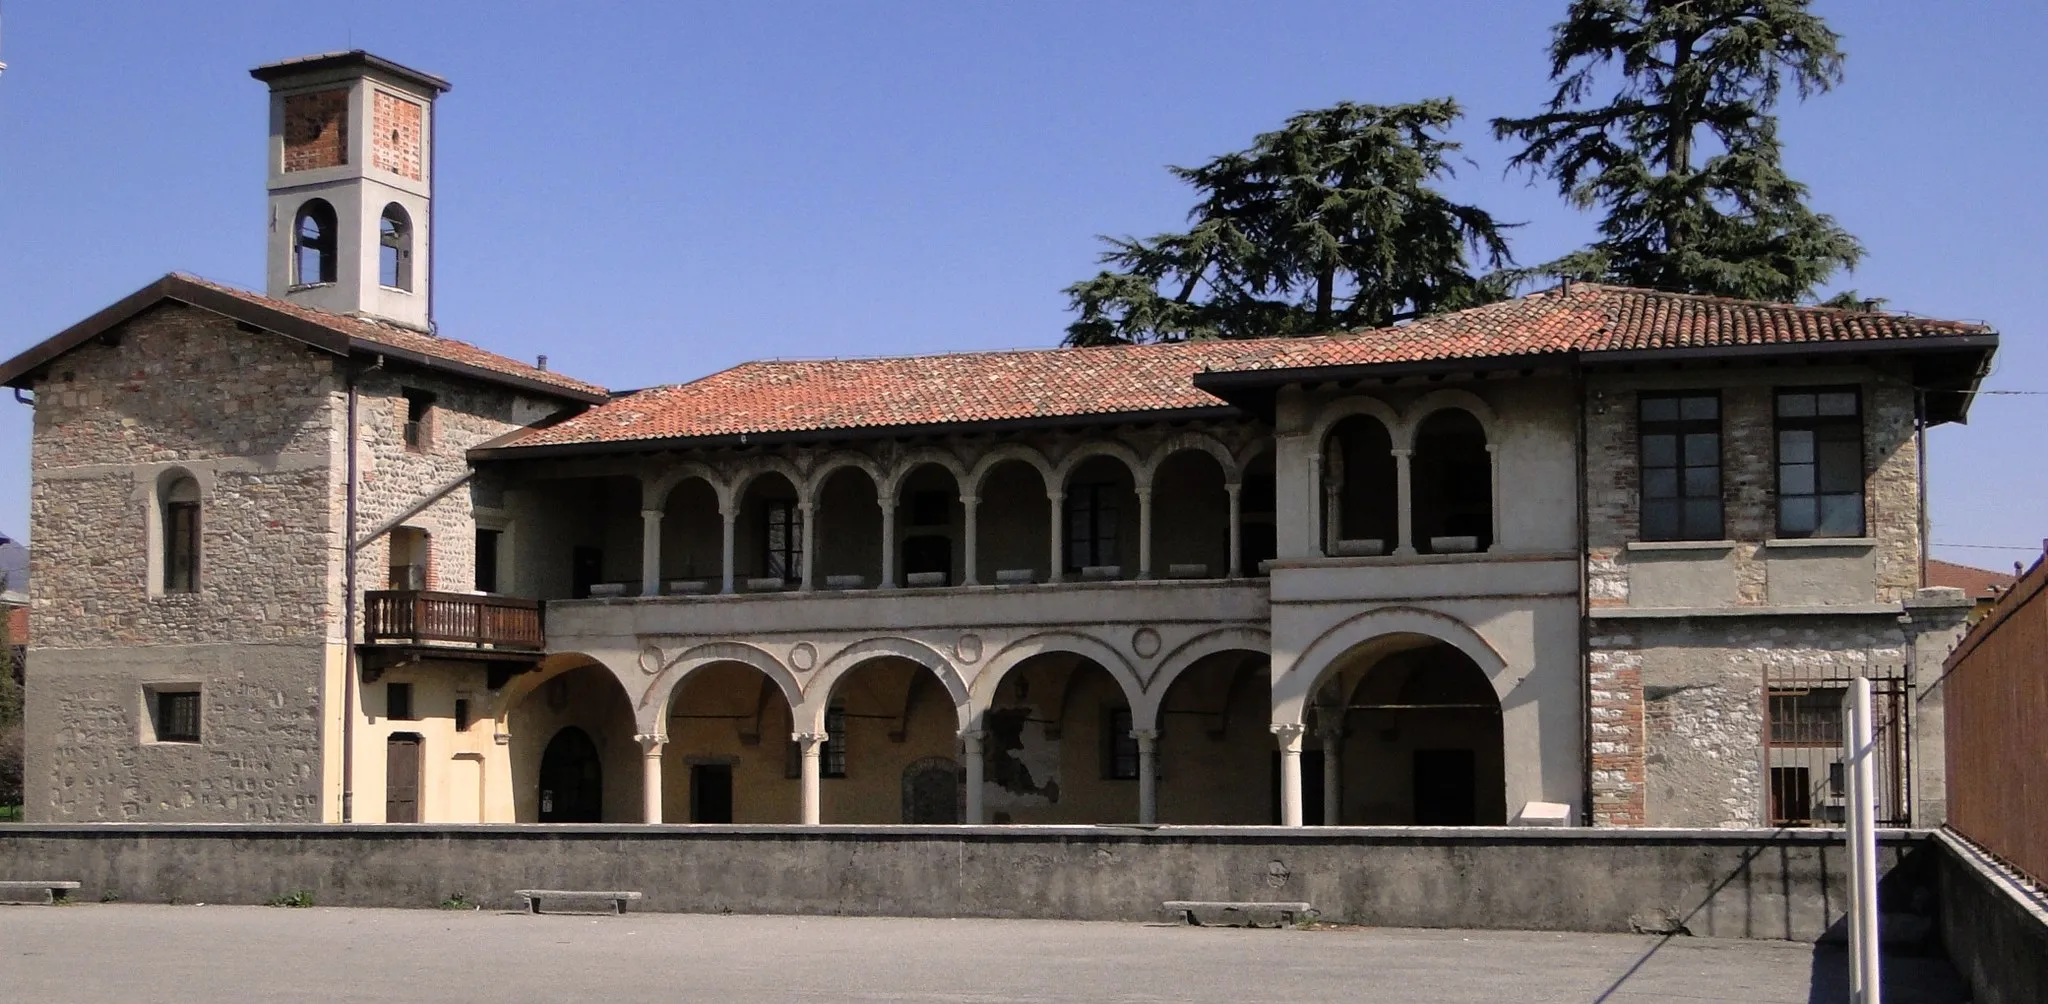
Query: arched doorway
1190, 517
1014, 542
729, 756
582, 697
1417, 729
1360, 503
1452, 484
571, 779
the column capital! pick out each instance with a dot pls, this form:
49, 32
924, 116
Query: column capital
1493, 447
970, 500
650, 514
1289, 735
1233, 487
650, 745
806, 504
1056, 496
809, 741
1148, 739
972, 739
1402, 452
886, 499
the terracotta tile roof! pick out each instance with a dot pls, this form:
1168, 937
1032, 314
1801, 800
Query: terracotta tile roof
406, 340
1589, 317
1976, 583
777, 397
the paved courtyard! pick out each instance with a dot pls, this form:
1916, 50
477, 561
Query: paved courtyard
227, 955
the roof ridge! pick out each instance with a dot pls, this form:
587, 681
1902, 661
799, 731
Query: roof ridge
1848, 312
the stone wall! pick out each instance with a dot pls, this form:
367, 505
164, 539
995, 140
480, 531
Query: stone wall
1746, 884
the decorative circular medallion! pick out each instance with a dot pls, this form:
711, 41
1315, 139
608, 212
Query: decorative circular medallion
803, 656
650, 660
1145, 642
968, 648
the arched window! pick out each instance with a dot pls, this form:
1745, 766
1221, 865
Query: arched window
181, 535
1360, 488
313, 254
394, 248
1453, 484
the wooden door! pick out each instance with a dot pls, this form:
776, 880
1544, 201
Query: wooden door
571, 779
402, 778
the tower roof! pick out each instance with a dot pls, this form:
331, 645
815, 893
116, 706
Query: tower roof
353, 59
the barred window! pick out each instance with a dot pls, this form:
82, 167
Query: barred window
1680, 441
177, 716
1806, 717
1820, 462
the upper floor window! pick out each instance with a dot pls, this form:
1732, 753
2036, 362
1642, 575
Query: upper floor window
1820, 462
1680, 441
394, 248
487, 542
313, 249
411, 551
419, 413
782, 540
181, 536
1091, 525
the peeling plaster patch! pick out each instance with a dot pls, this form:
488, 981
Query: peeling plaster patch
1022, 766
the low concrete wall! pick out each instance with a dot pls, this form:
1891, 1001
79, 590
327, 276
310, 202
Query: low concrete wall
1994, 929
1720, 883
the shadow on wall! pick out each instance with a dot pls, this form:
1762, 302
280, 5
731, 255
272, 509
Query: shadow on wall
546, 747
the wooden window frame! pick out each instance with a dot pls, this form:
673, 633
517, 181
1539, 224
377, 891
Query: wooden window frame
1683, 494
1103, 534
784, 559
1824, 430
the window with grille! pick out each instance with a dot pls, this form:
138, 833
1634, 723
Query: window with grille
1091, 526
1119, 747
782, 540
1806, 717
1820, 462
177, 716
1680, 446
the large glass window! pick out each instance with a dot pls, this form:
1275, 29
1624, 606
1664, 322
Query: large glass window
1091, 525
782, 539
1820, 462
181, 536
1680, 440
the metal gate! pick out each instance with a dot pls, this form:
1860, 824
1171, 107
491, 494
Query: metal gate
1803, 742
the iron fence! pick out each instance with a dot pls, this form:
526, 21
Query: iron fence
1804, 763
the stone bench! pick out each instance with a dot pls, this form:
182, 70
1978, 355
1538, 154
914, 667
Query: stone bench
1206, 913
591, 900
34, 893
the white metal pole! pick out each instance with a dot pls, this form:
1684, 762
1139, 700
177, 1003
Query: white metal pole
1865, 769
1851, 823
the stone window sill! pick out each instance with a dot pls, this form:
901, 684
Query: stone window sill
1794, 543
1654, 546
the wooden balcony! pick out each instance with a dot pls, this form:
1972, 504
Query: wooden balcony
456, 620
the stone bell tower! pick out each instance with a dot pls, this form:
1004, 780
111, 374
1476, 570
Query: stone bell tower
351, 185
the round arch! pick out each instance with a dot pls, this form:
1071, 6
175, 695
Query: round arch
752, 471
1141, 476
906, 465
1006, 453
1293, 688
1357, 405
1441, 400
654, 494
1194, 650
519, 687
817, 694
833, 464
670, 672
1198, 442
1046, 643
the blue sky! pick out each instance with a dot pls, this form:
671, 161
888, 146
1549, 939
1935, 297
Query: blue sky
650, 192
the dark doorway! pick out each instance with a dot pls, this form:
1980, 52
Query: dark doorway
571, 779
711, 793
932, 791
1446, 788
586, 567
928, 553
402, 778
1311, 788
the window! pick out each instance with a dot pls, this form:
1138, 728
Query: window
176, 716
398, 702
1820, 463
487, 560
181, 536
410, 550
1119, 747
394, 248
782, 540
1806, 717
1680, 440
1091, 525
462, 714
313, 254
419, 413
832, 758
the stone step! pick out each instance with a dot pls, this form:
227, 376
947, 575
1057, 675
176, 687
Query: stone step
577, 900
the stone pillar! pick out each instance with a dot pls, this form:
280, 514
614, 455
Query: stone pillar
1332, 475
1236, 493
1493, 468
1148, 774
727, 515
970, 548
650, 552
888, 540
1316, 516
1289, 736
1333, 787
1934, 622
812, 746
1404, 501
650, 778
1145, 533
1058, 503
808, 512
970, 743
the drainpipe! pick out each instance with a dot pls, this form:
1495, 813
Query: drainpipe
1585, 602
348, 608
1920, 452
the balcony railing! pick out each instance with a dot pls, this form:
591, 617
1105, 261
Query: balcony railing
420, 618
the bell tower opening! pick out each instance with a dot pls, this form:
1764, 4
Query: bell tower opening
351, 186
